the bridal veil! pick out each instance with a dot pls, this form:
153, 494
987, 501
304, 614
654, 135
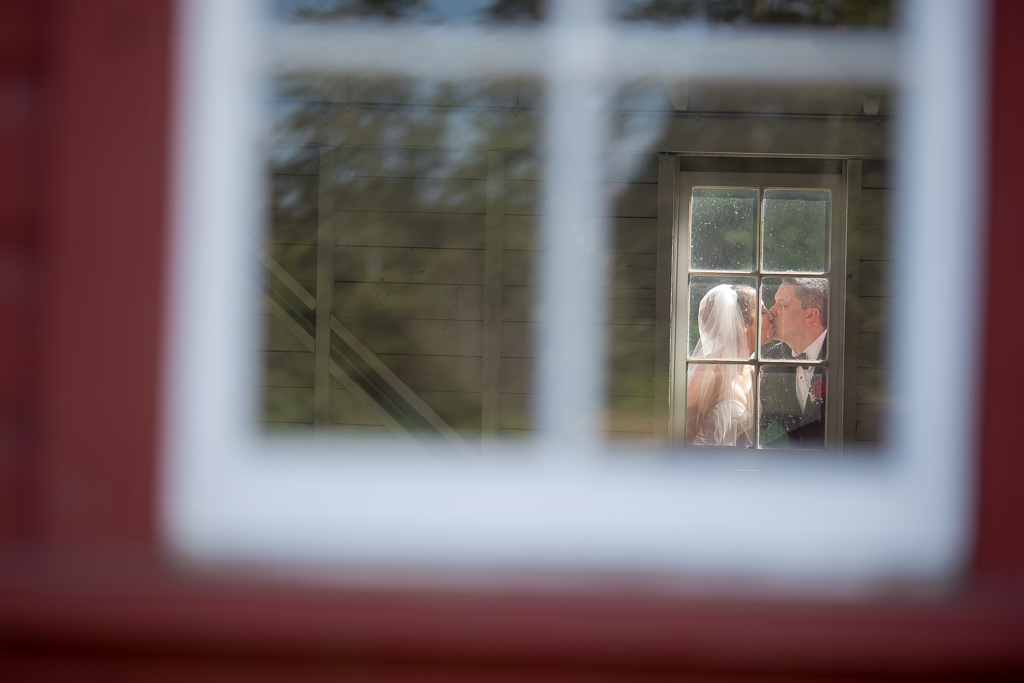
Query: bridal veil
721, 394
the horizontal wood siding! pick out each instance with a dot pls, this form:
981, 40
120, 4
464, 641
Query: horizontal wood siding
873, 303
409, 272
409, 280
632, 187
288, 365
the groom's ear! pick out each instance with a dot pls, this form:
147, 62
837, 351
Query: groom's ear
813, 315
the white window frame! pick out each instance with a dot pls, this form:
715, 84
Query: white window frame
231, 493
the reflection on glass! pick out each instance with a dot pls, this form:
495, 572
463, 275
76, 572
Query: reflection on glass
792, 406
798, 312
381, 188
723, 229
428, 11
809, 12
796, 230
723, 317
426, 340
720, 404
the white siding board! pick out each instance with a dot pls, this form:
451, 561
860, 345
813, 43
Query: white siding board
875, 175
276, 336
292, 226
436, 373
619, 167
290, 405
409, 265
628, 271
288, 369
519, 305
421, 301
403, 195
627, 199
875, 207
413, 336
874, 278
411, 229
347, 409
294, 192
630, 235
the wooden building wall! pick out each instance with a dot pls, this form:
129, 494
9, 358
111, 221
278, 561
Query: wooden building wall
873, 302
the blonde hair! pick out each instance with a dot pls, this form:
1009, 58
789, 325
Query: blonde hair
747, 297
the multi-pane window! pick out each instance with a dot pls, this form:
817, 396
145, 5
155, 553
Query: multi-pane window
524, 180
758, 329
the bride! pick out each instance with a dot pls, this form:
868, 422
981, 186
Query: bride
720, 397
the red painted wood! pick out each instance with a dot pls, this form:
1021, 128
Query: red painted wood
99, 337
81, 611
18, 142
21, 133
1000, 545
121, 612
21, 77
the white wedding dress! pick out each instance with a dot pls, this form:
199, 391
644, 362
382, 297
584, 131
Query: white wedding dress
724, 391
726, 423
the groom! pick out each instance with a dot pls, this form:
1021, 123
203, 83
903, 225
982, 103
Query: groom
793, 397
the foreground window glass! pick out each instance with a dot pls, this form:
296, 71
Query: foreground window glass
648, 253
417, 206
401, 246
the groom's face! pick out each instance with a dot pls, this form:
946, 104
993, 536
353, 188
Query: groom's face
787, 314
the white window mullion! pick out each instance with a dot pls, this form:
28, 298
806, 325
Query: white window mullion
571, 369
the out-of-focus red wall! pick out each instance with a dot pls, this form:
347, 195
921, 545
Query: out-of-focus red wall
21, 132
85, 591
85, 118
1000, 544
99, 338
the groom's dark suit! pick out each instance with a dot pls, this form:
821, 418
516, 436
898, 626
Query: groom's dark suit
784, 424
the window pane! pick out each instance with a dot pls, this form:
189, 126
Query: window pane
792, 407
388, 193
796, 230
723, 317
408, 189
720, 404
723, 234
798, 317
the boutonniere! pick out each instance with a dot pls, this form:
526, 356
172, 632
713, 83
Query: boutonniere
818, 389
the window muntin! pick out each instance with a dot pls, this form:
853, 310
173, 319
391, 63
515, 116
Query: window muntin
231, 495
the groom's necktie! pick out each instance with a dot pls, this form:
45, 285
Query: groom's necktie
803, 381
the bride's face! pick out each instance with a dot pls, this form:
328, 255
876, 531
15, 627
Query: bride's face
767, 325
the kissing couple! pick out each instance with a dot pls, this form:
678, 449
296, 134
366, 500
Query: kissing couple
720, 408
